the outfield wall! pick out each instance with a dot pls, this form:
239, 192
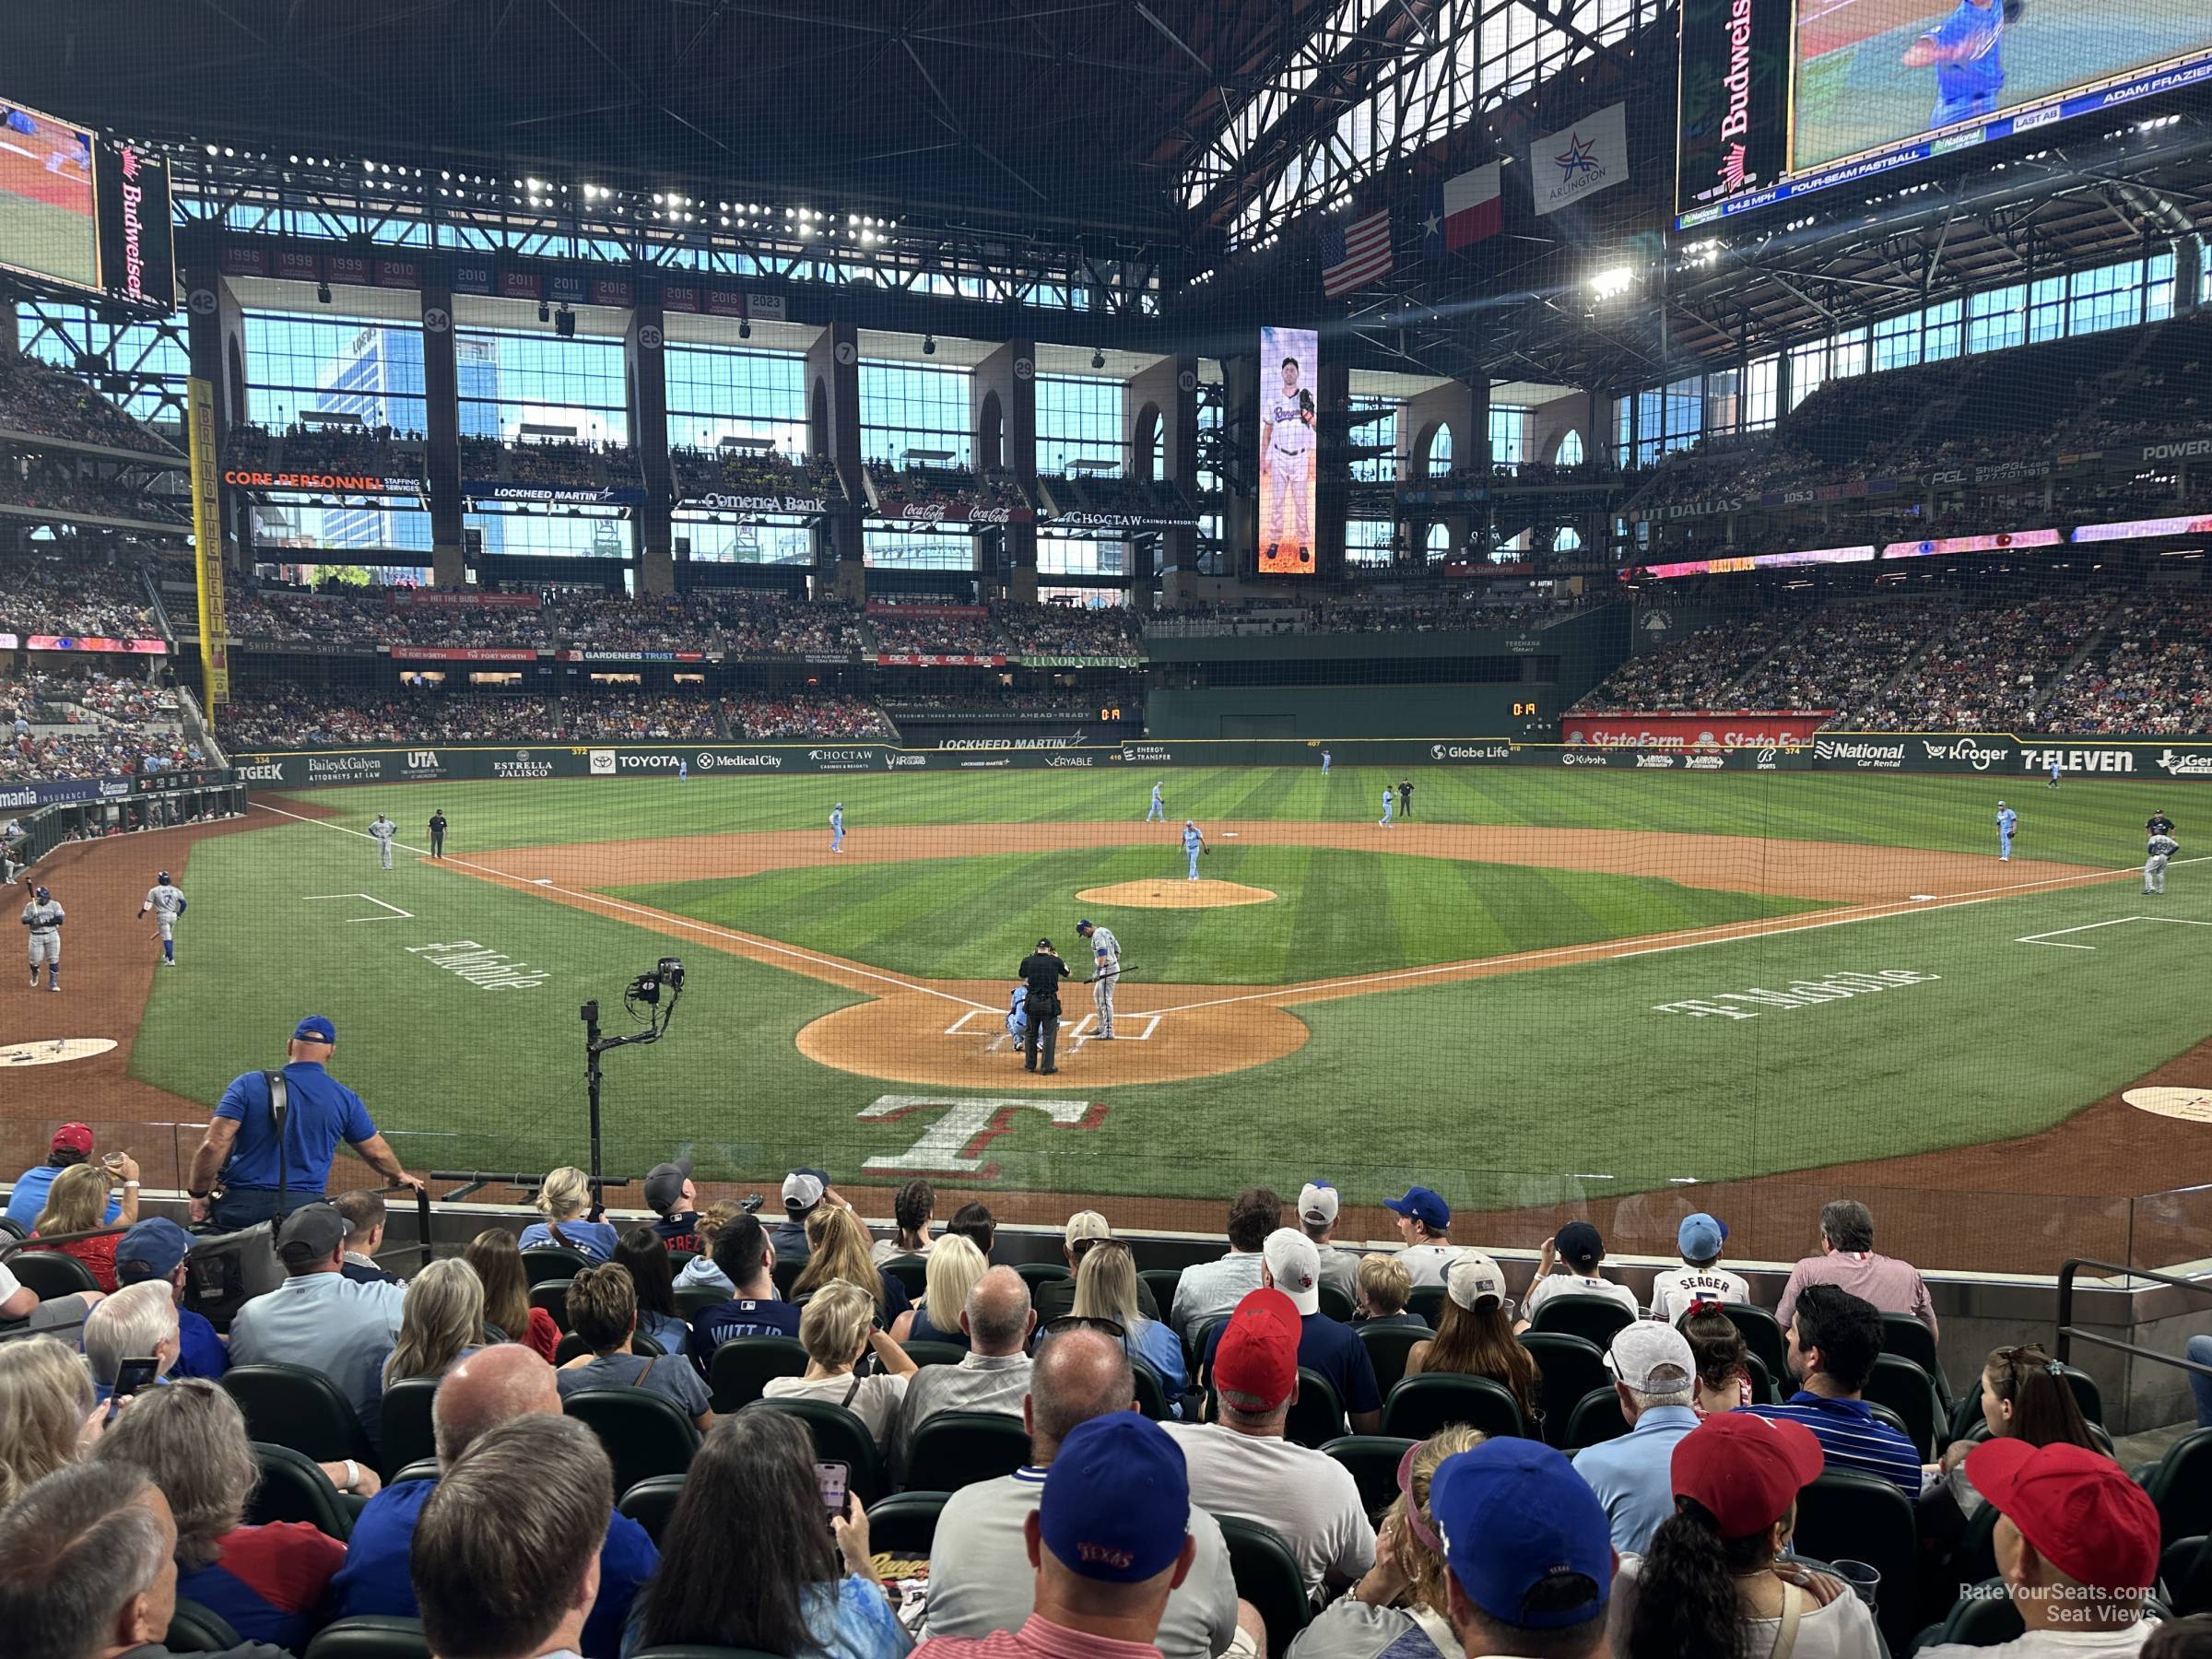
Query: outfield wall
2156, 759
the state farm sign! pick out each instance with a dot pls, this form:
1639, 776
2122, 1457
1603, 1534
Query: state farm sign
1695, 728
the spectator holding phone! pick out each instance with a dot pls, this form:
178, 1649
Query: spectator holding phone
838, 1329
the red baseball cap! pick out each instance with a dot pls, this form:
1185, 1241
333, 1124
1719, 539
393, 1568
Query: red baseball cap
73, 1138
1257, 1356
1745, 1470
2077, 1507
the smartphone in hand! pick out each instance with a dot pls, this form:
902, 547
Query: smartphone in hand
834, 1481
133, 1376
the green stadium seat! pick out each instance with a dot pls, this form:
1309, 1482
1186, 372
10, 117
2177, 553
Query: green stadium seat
1420, 1406
290, 1406
651, 1502
1387, 1346
1568, 1368
954, 1448
369, 1636
544, 1263
1596, 1319
1372, 1461
403, 1431
1268, 1576
1596, 1419
744, 1365
293, 1487
839, 1437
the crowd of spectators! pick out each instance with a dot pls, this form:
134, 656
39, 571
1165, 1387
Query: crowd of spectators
37, 397
61, 597
300, 619
765, 715
621, 716
929, 703
97, 752
1841, 656
932, 629
272, 717
951, 493
381, 451
1695, 672
90, 696
617, 622
569, 463
1068, 629
2151, 670
1986, 672
60, 489
702, 472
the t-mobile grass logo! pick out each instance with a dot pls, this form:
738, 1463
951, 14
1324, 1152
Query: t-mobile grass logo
955, 1144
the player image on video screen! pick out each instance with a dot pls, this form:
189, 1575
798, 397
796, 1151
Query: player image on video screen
1871, 73
46, 226
1288, 369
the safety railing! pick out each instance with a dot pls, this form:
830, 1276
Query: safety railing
2069, 1333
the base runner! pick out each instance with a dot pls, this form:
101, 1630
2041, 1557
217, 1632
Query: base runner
167, 902
1106, 972
44, 916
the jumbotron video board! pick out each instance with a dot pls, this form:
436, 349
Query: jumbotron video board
1780, 98
82, 212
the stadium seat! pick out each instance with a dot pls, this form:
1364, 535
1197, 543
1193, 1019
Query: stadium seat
1909, 1391
369, 1636
1374, 1461
403, 1430
934, 1353
1848, 1516
785, 1274
1568, 1368
644, 1434
543, 1263
680, 1259
424, 1468
572, 1347
1337, 1305
1387, 1346
1267, 1575
1766, 1387
552, 1295
1161, 1282
1761, 1334
1196, 1342
912, 1274
1982, 1617
954, 1448
196, 1629
1966, 1410
1596, 1319
290, 1406
51, 1273
2181, 1484
1427, 1300
1317, 1415
1420, 1406
1596, 1419
1151, 1392
2185, 1572
651, 1502
690, 1299
12, 1229
1037, 1275
292, 1489
1907, 1338
839, 1437
905, 1524
744, 1365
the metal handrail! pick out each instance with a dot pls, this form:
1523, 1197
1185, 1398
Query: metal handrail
2069, 1331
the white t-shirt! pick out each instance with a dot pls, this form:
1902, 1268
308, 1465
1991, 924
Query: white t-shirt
1289, 432
1842, 1630
891, 1250
1574, 1284
1675, 1289
2056, 1644
1425, 1263
1310, 1498
874, 1403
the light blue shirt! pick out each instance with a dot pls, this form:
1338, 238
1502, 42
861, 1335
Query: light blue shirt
2005, 821
593, 1239
327, 1322
1191, 840
1633, 1475
30, 1197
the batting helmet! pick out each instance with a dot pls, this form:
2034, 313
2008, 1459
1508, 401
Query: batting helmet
43, 895
162, 879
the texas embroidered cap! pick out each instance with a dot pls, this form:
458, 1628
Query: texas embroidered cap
1294, 1264
1745, 1471
1524, 1535
1257, 1356
2077, 1507
1318, 1203
1116, 1504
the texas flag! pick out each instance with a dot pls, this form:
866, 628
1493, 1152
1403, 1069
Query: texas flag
1470, 207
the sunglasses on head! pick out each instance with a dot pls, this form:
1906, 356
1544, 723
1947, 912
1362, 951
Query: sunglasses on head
1084, 1322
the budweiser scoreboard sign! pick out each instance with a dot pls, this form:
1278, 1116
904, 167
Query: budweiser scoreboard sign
1735, 99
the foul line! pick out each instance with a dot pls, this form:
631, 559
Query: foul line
2046, 938
525, 883
396, 913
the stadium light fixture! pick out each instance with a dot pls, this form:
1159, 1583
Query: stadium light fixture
1612, 282
323, 292
929, 345
745, 328
1098, 358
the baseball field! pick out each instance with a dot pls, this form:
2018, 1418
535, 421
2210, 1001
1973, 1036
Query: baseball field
1596, 992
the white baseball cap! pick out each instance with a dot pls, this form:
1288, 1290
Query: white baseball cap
1473, 1278
1650, 1345
1318, 1203
801, 1191
1295, 1267
1086, 1224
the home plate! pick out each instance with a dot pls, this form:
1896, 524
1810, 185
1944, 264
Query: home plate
54, 1051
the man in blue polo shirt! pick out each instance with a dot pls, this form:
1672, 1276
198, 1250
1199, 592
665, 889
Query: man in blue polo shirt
747, 1260
1291, 1262
242, 1141
1834, 1339
492, 1386
321, 1319
157, 1248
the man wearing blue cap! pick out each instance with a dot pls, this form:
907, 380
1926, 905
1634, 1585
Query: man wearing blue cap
1530, 1553
157, 1248
1110, 1540
1700, 1278
1425, 1223
261, 1171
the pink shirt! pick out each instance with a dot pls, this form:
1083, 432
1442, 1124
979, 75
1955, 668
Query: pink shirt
1893, 1287
1037, 1638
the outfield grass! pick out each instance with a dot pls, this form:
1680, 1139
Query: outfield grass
1337, 913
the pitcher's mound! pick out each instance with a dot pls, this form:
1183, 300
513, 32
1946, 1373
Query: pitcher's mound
1170, 894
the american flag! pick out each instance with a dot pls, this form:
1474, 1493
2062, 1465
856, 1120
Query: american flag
1355, 255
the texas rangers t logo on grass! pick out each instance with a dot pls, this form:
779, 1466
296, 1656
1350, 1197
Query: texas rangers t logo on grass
955, 1143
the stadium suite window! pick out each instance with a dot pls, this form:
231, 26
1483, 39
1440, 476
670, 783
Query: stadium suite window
359, 366
1438, 463
1081, 555
542, 380
913, 405
1079, 418
751, 543
716, 393
1367, 541
896, 549
1509, 435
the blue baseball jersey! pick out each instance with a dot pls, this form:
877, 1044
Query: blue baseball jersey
1155, 795
1972, 72
2006, 820
837, 819
1192, 840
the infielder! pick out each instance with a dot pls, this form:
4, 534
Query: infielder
2161, 848
1159, 807
44, 917
1194, 844
2007, 821
1105, 974
381, 832
166, 903
1286, 430
837, 828
1390, 806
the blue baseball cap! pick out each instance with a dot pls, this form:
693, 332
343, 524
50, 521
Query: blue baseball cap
1424, 1207
1701, 1236
315, 1028
1117, 1500
1514, 1518
151, 1249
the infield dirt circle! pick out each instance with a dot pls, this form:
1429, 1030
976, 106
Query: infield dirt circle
1176, 895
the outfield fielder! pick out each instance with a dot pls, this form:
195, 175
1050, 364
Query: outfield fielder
166, 903
381, 832
2161, 848
837, 828
44, 917
1106, 972
1194, 844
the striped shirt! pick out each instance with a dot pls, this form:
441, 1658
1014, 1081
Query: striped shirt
1853, 1437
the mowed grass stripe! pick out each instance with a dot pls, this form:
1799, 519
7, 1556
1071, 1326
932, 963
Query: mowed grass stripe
1338, 912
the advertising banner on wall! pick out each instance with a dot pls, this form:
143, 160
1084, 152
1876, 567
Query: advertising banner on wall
1694, 728
1290, 369
207, 544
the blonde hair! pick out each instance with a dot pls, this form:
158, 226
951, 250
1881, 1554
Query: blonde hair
955, 1263
1106, 1283
442, 1314
565, 1195
713, 1219
1383, 1283
835, 1323
1428, 1568
190, 1438
76, 1202
45, 1395
840, 1245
